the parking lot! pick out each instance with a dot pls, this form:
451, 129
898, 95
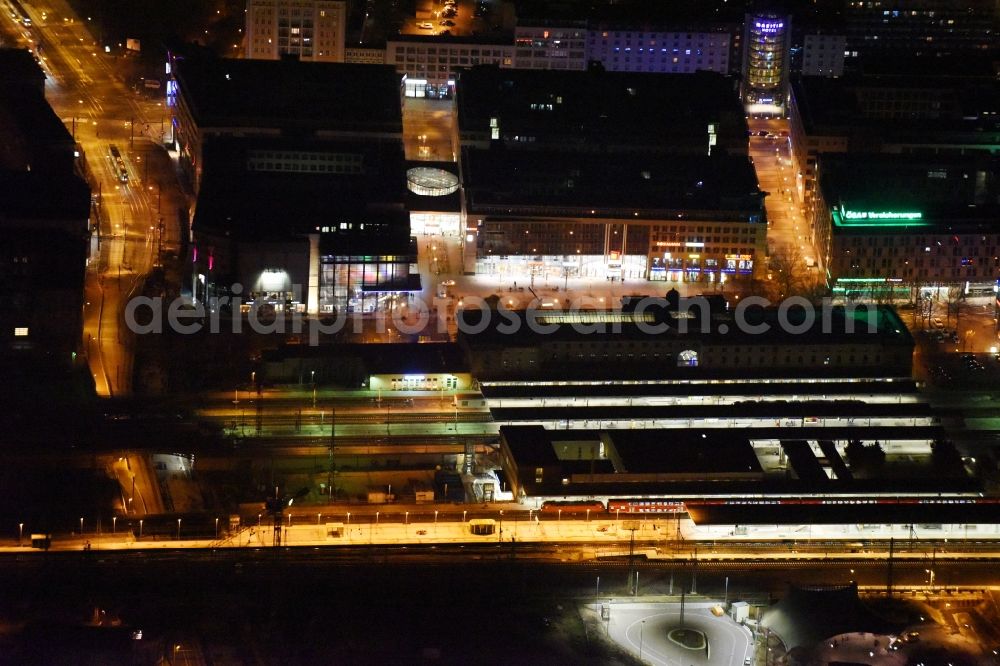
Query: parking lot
456, 17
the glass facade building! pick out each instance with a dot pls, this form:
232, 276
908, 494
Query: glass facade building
765, 60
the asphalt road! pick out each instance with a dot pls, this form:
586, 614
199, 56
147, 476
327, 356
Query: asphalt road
100, 110
788, 226
646, 626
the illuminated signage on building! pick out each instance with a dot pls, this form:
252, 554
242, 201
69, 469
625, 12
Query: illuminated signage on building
769, 26
878, 218
881, 215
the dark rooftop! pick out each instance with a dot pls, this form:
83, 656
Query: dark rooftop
32, 136
35, 196
966, 106
540, 326
262, 202
684, 451
950, 193
591, 110
643, 182
290, 94
841, 512
18, 67
399, 358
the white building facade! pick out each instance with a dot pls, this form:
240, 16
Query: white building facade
311, 30
430, 65
823, 55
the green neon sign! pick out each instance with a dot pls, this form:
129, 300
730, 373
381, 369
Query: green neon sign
868, 218
881, 215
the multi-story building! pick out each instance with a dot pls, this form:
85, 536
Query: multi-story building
660, 343
218, 98
667, 50
766, 62
823, 54
909, 220
552, 215
44, 215
594, 111
364, 55
430, 64
603, 174
916, 112
311, 30
919, 27
333, 233
560, 45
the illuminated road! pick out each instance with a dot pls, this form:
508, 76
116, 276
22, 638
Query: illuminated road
99, 110
788, 226
643, 627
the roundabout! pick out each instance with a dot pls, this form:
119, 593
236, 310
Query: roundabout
653, 632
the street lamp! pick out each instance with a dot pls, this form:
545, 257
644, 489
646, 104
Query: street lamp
258, 521
348, 520
81, 527
435, 521
500, 536
140, 528
463, 516
406, 518
640, 638
114, 524
318, 515
20, 533
178, 528
216, 528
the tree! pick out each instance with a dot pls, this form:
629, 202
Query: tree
945, 456
855, 452
864, 458
786, 269
952, 298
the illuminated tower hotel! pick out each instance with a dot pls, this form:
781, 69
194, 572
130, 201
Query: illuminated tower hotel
765, 63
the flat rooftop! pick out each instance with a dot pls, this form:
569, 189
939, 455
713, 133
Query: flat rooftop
893, 194
968, 106
793, 387
647, 183
697, 465
534, 327
236, 172
391, 358
684, 451
593, 108
843, 513
19, 67
224, 92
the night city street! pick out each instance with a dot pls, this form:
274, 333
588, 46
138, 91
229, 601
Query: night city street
500, 331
